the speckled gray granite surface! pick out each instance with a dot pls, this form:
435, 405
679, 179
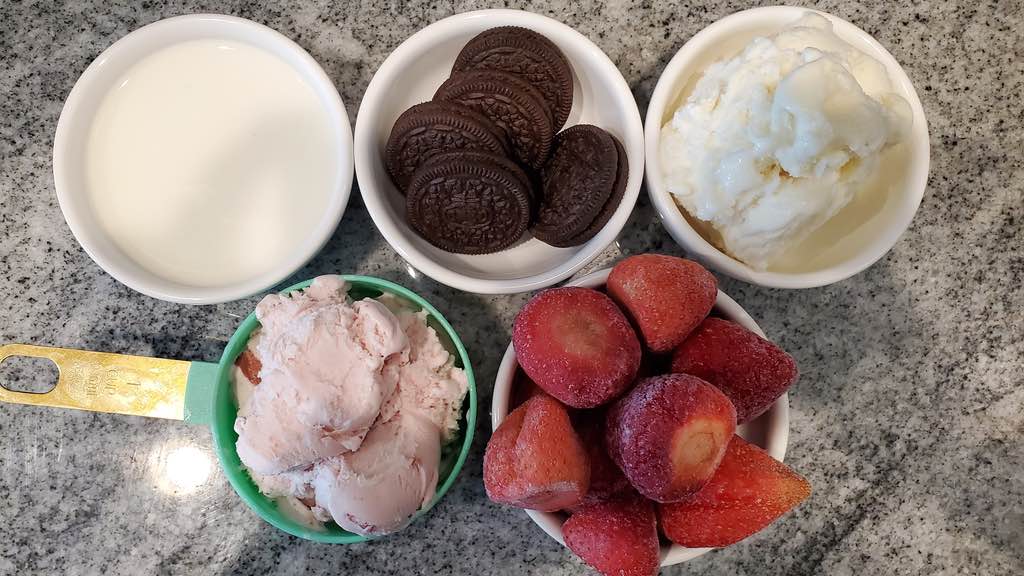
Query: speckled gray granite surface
908, 419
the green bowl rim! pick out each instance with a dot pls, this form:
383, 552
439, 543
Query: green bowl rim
224, 437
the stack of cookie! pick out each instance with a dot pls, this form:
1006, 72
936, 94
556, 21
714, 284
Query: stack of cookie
481, 164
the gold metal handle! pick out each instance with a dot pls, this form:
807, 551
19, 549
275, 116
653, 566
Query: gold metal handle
103, 382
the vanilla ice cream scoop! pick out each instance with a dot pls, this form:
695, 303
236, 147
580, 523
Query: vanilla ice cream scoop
775, 141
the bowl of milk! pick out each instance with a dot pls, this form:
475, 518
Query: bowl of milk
203, 158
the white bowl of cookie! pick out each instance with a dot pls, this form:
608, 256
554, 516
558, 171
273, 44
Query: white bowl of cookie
472, 148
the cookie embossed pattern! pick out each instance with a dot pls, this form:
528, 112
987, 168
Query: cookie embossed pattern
535, 58
433, 128
460, 186
516, 107
583, 183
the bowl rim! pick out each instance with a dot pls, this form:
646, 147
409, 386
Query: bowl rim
366, 150
224, 436
671, 215
130, 48
777, 416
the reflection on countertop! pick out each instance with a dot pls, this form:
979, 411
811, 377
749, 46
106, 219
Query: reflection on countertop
180, 470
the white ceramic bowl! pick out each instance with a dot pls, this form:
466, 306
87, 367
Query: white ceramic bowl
769, 431
98, 79
867, 234
413, 72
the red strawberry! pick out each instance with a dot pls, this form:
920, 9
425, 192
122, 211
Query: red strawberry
666, 296
752, 371
250, 365
576, 344
535, 459
618, 537
749, 491
606, 480
669, 434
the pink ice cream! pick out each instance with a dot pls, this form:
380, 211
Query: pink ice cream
394, 473
353, 403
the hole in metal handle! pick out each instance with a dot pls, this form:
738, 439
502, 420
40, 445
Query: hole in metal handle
28, 374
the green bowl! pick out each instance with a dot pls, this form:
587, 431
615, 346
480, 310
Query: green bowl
225, 408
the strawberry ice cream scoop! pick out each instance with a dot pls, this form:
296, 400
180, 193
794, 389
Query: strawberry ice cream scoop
321, 378
376, 489
348, 407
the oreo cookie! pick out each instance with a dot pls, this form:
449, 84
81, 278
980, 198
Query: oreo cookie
433, 128
525, 178
469, 202
526, 54
618, 192
578, 182
512, 104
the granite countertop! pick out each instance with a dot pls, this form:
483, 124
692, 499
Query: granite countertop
907, 420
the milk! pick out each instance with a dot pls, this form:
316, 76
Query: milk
210, 162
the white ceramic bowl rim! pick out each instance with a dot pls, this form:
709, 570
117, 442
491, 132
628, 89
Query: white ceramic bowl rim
393, 66
71, 129
775, 420
665, 94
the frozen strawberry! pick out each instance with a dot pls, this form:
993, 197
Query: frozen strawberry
250, 365
619, 537
749, 491
535, 460
666, 296
606, 480
577, 345
669, 434
523, 389
752, 371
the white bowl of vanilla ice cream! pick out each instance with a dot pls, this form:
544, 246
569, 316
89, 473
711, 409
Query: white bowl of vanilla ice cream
785, 147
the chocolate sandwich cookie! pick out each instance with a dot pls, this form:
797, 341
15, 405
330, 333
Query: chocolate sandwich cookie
511, 103
578, 181
469, 203
433, 128
526, 54
618, 192
504, 162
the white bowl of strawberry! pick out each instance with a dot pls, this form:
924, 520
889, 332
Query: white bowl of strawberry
649, 417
